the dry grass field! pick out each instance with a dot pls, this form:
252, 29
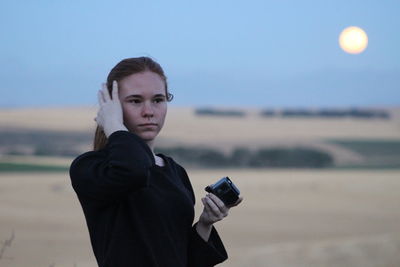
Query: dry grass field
288, 218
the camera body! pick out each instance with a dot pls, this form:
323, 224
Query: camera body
225, 190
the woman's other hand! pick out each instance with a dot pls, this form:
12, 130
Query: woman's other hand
110, 115
214, 209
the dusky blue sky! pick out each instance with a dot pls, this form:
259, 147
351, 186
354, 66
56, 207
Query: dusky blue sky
215, 53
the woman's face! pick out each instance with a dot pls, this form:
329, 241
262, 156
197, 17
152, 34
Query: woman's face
144, 103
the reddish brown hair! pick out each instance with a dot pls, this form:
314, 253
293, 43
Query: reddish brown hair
123, 69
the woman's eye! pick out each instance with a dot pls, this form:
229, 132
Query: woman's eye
136, 101
158, 100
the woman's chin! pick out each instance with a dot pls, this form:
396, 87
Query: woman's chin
147, 136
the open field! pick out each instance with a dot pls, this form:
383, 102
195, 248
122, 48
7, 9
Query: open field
350, 141
288, 218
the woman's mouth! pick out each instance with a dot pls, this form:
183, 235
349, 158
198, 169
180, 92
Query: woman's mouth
148, 125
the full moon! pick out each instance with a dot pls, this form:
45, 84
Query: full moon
353, 40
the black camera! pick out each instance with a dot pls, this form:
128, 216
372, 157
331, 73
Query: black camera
225, 190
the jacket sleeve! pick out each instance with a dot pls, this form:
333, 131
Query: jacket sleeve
206, 254
202, 253
122, 166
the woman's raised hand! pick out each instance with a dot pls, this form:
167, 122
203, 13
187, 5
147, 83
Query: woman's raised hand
110, 115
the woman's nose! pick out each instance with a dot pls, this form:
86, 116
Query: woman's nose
147, 110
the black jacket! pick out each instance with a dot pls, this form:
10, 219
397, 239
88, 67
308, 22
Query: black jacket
138, 213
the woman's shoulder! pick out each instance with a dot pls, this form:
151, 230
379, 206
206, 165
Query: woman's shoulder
99, 154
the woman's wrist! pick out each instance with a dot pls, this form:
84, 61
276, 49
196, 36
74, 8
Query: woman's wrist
204, 230
113, 129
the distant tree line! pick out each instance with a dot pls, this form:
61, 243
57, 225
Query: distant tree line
245, 158
52, 143
328, 113
291, 113
216, 112
43, 143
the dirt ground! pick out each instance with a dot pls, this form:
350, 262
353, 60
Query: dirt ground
288, 218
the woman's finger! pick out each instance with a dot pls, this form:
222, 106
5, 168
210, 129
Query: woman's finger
206, 206
218, 202
103, 91
100, 97
214, 208
106, 95
115, 90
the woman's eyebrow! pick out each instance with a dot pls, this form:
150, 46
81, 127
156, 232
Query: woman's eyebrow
137, 96
140, 96
159, 95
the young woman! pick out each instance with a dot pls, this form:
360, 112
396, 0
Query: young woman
139, 206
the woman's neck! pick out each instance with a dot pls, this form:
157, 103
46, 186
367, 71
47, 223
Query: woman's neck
150, 144
158, 160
